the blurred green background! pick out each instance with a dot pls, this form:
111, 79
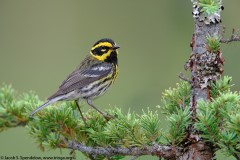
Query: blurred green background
42, 41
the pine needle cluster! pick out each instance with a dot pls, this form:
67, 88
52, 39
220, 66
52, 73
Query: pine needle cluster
217, 121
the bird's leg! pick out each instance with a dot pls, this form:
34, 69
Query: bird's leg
83, 118
105, 115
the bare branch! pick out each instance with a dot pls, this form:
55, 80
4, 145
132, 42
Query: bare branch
183, 77
234, 36
167, 152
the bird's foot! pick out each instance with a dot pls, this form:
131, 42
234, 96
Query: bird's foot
108, 116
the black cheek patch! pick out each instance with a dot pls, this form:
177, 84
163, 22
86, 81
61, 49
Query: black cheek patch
112, 58
98, 51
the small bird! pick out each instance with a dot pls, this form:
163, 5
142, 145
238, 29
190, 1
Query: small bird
96, 73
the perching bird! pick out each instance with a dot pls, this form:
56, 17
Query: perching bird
92, 78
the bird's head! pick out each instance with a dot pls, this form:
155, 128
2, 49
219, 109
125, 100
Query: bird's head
105, 50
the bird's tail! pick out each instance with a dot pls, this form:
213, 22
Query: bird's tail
45, 105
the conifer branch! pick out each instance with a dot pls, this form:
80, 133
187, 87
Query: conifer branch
130, 134
167, 152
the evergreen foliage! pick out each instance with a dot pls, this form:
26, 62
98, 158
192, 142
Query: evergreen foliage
218, 121
213, 44
209, 7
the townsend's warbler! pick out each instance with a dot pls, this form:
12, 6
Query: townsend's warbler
92, 78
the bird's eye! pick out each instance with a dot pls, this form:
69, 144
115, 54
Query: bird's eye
103, 49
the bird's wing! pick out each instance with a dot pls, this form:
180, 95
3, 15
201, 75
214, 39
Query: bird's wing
82, 76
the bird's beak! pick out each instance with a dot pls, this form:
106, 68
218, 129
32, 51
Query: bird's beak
116, 47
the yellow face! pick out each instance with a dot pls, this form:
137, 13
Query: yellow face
103, 49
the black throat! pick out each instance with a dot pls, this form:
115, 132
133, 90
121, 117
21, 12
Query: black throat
112, 58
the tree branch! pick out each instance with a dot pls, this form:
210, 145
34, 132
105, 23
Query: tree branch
167, 152
205, 64
234, 36
183, 77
